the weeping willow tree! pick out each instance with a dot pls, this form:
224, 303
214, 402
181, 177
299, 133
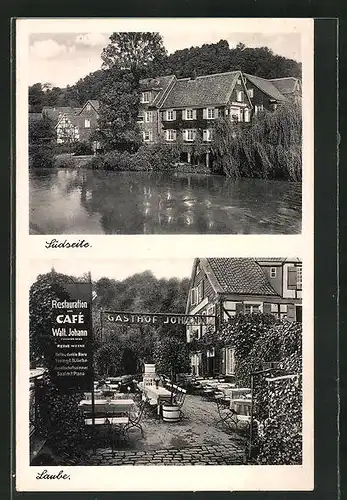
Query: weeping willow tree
270, 147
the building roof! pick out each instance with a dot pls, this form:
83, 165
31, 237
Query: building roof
160, 84
94, 103
266, 86
202, 91
238, 275
285, 85
276, 260
53, 113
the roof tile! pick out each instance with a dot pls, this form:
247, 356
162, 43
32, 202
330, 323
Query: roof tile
201, 91
285, 85
240, 275
266, 86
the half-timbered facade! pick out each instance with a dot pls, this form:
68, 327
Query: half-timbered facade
223, 287
74, 124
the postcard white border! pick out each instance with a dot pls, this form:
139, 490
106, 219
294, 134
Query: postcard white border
189, 478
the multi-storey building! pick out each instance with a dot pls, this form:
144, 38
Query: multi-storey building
153, 92
222, 287
177, 111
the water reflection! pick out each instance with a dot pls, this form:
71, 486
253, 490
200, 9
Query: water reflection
92, 202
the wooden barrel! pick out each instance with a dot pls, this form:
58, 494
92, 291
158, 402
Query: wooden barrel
171, 413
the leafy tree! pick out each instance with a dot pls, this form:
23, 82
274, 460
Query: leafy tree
171, 356
127, 58
108, 359
270, 147
41, 130
119, 102
133, 51
36, 97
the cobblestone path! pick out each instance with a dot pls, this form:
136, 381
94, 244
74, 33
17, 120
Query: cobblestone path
197, 455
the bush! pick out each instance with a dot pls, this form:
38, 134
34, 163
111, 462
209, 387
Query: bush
41, 155
60, 420
281, 440
82, 149
64, 161
147, 158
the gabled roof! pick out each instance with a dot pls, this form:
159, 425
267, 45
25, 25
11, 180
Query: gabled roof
237, 275
266, 86
285, 85
93, 102
202, 91
159, 84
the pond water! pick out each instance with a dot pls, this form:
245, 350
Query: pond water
100, 202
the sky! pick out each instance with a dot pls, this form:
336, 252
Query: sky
118, 269
63, 58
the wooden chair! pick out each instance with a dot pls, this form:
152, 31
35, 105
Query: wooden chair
113, 422
227, 416
136, 417
180, 398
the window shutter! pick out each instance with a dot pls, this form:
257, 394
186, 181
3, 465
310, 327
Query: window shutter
216, 112
194, 114
291, 278
205, 135
267, 308
174, 115
239, 307
193, 296
175, 134
291, 312
184, 114
185, 134
204, 115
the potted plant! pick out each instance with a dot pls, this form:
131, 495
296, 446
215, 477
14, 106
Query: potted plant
171, 357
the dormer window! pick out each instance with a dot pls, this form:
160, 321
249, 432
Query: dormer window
145, 97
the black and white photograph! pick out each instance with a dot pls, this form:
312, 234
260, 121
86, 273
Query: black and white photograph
195, 128
142, 143
166, 362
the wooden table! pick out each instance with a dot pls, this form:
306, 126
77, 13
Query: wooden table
156, 395
105, 406
236, 392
